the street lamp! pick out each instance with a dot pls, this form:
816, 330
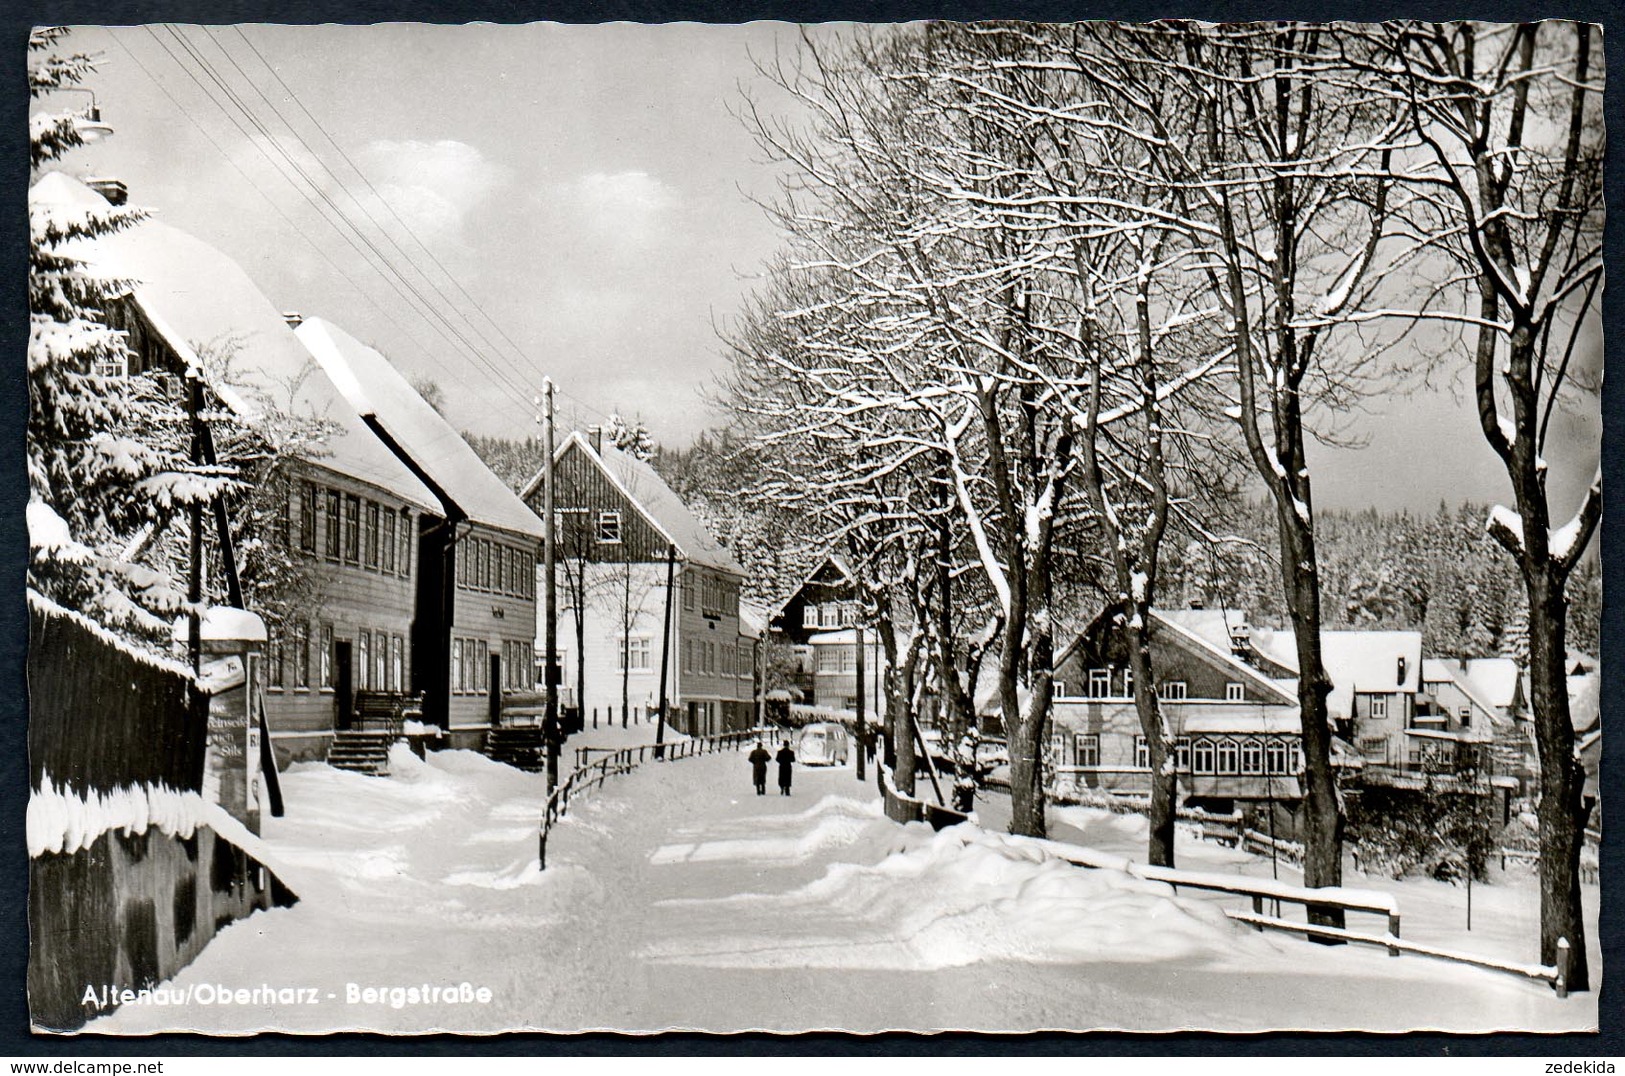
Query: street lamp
90, 127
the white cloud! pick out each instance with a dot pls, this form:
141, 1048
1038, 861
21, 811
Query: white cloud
624, 211
432, 186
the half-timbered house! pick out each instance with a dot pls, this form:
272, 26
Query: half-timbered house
623, 528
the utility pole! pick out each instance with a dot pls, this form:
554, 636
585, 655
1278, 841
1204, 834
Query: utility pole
665, 652
550, 723
863, 735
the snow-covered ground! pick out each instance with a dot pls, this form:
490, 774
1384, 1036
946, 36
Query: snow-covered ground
677, 898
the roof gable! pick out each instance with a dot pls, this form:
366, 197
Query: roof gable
655, 502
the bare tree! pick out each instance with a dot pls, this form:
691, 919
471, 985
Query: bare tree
1507, 124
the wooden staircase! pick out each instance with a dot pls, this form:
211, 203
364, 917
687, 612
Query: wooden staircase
361, 752
521, 747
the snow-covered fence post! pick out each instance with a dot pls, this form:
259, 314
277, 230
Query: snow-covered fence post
1564, 959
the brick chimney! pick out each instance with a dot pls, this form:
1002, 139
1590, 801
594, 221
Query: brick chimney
294, 318
113, 190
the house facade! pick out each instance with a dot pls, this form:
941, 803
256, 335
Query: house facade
474, 610
349, 507
619, 528
1235, 729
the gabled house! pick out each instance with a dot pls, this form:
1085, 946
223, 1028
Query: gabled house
474, 624
816, 624
1236, 729
622, 524
350, 508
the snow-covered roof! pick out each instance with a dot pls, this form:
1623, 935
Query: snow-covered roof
1369, 661
376, 389
1585, 702
1436, 671
224, 622
752, 619
193, 296
1243, 720
1495, 679
642, 485
1223, 656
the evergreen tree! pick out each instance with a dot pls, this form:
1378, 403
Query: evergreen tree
108, 452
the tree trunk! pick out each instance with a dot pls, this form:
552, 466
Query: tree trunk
1562, 811
1323, 808
1159, 741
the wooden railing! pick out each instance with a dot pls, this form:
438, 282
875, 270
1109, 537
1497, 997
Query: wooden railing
590, 775
901, 807
1259, 890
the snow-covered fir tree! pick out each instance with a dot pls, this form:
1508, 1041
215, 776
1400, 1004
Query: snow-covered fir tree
630, 437
108, 450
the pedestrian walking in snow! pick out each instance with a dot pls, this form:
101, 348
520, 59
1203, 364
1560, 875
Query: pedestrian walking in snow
759, 759
786, 759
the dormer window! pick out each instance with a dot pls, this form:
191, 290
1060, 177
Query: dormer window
1100, 681
1173, 690
1235, 692
609, 526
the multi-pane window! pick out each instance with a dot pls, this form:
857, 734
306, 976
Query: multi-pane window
275, 662
1182, 754
1172, 689
609, 526
1379, 707
501, 571
457, 681
387, 541
363, 659
373, 534
634, 653
1142, 753
688, 656
404, 564
483, 656
1226, 756
1252, 757
301, 654
1100, 683
325, 660
1087, 747
334, 501
1235, 692
307, 516
1275, 756
380, 663
688, 595
285, 522
809, 615
828, 659
352, 529
1202, 756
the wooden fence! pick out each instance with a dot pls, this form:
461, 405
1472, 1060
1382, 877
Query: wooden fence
120, 902
589, 775
901, 807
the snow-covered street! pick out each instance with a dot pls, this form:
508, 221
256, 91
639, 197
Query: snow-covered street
676, 898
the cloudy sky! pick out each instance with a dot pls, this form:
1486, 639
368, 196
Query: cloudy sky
579, 202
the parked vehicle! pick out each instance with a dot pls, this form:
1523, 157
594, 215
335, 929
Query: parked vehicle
822, 744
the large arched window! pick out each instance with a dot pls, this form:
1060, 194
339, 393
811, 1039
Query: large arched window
1202, 756
1275, 755
1252, 757
1227, 756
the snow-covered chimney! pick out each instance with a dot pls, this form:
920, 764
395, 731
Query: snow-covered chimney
113, 190
1198, 603
294, 318
595, 437
1241, 642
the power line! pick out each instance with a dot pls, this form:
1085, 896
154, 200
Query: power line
423, 304
499, 378
359, 204
383, 201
